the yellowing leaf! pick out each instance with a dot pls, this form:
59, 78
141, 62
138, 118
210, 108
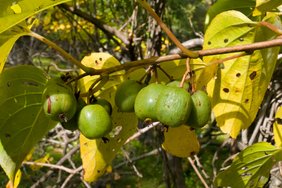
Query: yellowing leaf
13, 12
100, 61
238, 87
263, 6
16, 181
277, 127
96, 154
181, 141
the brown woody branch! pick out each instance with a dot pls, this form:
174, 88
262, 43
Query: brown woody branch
155, 60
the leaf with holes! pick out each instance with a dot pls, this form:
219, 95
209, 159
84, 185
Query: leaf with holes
277, 127
97, 154
8, 39
100, 61
238, 86
251, 168
13, 12
22, 120
263, 6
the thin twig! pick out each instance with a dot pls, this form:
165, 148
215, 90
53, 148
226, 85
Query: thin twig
191, 161
53, 166
132, 164
141, 131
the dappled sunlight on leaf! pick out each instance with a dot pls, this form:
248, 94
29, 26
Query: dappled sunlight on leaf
238, 87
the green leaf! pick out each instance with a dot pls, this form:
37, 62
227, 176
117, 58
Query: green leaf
22, 120
251, 167
8, 39
13, 12
243, 6
238, 86
263, 6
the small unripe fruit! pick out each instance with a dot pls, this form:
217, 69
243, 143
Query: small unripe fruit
126, 94
106, 104
72, 124
176, 83
173, 106
59, 102
145, 102
94, 121
201, 110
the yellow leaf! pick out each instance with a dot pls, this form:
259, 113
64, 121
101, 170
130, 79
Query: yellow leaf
100, 61
277, 127
239, 85
17, 180
96, 154
181, 141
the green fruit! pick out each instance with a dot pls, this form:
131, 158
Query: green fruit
126, 94
173, 106
59, 102
94, 121
176, 83
145, 102
106, 104
201, 109
72, 124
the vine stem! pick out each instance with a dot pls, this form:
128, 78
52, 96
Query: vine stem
66, 55
172, 37
208, 52
155, 60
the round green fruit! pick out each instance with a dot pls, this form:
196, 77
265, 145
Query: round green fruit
59, 102
176, 83
94, 121
145, 102
126, 94
106, 104
173, 106
72, 124
201, 110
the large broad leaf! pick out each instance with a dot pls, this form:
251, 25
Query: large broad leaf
239, 85
220, 6
263, 6
22, 121
251, 168
8, 39
96, 154
13, 12
181, 141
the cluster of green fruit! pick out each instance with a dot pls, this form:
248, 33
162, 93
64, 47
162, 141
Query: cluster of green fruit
60, 104
171, 105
